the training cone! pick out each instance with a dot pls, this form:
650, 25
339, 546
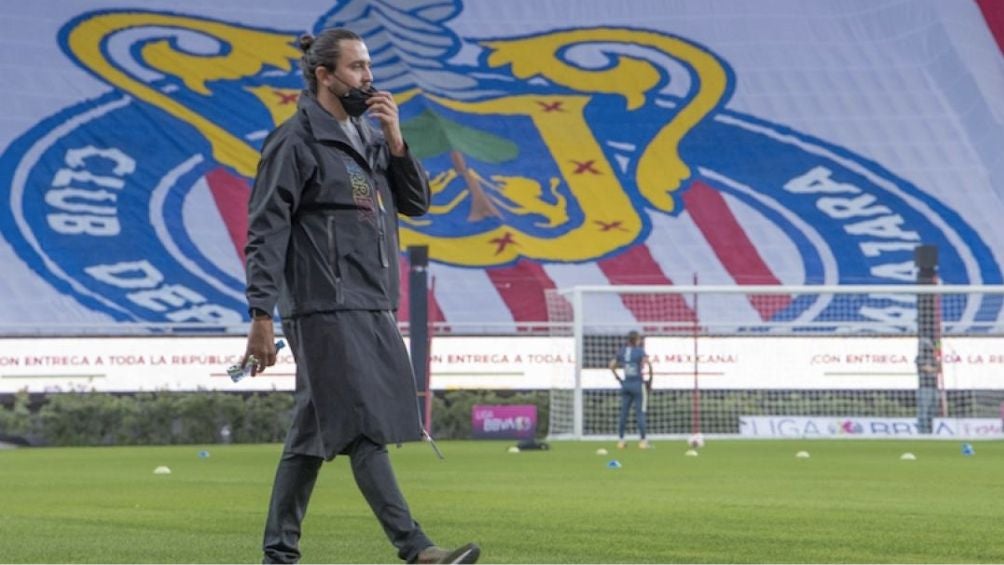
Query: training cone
513, 449
691, 453
908, 457
601, 451
967, 449
614, 464
802, 455
162, 470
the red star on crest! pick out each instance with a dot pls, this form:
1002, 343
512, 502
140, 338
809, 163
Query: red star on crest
285, 98
551, 106
585, 167
614, 225
503, 242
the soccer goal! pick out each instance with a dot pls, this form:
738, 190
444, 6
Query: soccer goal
788, 361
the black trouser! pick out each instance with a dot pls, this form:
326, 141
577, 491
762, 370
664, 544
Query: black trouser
294, 481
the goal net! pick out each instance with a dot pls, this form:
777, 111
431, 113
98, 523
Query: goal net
787, 361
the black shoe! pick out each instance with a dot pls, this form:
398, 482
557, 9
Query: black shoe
466, 554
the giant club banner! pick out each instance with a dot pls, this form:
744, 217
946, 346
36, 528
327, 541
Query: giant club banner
567, 143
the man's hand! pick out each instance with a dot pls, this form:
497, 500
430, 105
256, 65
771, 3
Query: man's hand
384, 108
261, 344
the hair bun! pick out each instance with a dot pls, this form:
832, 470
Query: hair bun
306, 40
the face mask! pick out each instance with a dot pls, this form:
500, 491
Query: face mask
353, 101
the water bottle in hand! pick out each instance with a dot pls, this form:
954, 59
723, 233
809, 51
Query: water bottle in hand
238, 373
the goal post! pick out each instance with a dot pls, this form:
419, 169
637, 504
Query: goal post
787, 361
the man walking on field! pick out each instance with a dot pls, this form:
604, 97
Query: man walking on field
323, 246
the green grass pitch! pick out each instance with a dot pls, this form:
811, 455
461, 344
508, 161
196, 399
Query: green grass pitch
738, 502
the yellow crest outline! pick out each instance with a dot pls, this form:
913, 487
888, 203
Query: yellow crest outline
659, 173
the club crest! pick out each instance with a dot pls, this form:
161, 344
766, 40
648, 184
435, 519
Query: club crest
564, 146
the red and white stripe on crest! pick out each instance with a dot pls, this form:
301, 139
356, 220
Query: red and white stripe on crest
716, 236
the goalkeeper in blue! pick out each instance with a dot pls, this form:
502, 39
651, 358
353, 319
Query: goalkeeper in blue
634, 388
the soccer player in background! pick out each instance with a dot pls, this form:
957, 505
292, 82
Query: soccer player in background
634, 389
323, 246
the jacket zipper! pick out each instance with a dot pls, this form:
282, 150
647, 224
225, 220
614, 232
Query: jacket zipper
333, 252
381, 229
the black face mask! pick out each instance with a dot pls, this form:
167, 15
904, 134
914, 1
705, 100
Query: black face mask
353, 101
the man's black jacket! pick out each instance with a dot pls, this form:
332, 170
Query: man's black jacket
322, 226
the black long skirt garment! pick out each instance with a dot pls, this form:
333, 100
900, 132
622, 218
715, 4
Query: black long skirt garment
353, 378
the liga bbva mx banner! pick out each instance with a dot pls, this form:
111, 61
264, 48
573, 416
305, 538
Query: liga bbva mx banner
567, 142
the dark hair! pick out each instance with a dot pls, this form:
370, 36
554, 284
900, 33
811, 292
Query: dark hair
633, 336
322, 51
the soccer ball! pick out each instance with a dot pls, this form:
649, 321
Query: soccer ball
696, 441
